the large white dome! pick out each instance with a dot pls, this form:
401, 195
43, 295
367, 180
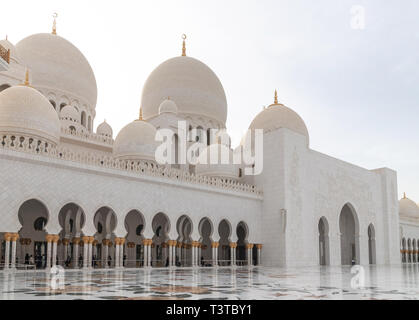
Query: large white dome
24, 110
191, 84
56, 63
279, 116
136, 141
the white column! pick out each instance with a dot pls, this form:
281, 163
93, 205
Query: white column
54, 250
90, 253
170, 243
121, 254
232, 255
49, 251
7, 252
76, 253
145, 253
249, 256
193, 253
85, 252
116, 253
14, 240
174, 253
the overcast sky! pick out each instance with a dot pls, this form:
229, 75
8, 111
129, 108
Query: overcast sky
356, 89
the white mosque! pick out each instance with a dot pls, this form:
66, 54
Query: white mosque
82, 199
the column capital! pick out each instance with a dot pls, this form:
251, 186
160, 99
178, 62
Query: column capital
250, 246
215, 244
66, 241
7, 236
122, 241
86, 239
55, 238
147, 242
259, 246
117, 241
91, 240
233, 245
76, 241
14, 237
49, 238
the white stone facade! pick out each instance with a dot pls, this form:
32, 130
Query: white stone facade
80, 201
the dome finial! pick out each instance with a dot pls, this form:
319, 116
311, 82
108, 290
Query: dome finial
141, 114
26, 83
404, 195
184, 45
276, 97
54, 24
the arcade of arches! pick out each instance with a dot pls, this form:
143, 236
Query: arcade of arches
409, 250
72, 248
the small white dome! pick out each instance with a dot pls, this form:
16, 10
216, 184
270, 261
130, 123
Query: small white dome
105, 129
408, 208
136, 141
14, 56
217, 160
279, 116
168, 106
192, 84
70, 113
24, 110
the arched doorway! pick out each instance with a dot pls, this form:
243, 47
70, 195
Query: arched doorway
71, 219
159, 252
349, 239
241, 250
371, 244
205, 230
134, 249
324, 251
105, 223
33, 216
184, 251
224, 252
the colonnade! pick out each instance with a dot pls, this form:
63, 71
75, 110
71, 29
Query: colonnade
86, 247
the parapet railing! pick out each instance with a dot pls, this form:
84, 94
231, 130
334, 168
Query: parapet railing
87, 136
5, 54
33, 145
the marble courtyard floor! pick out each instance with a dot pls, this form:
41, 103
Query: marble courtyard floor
321, 283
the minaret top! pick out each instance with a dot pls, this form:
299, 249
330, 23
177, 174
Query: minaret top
54, 24
26, 82
141, 115
184, 45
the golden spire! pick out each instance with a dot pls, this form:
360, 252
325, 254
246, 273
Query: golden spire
141, 114
54, 24
276, 97
184, 45
26, 83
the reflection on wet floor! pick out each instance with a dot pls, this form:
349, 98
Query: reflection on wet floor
313, 283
